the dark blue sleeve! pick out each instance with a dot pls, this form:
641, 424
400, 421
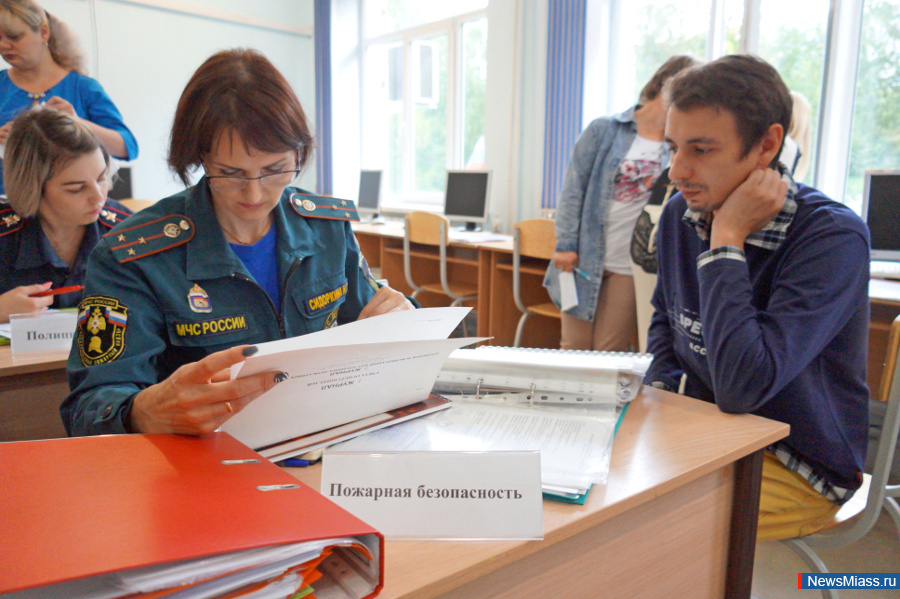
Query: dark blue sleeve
665, 367
753, 353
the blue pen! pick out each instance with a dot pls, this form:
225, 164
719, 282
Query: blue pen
581, 273
296, 463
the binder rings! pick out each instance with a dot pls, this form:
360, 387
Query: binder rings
114, 515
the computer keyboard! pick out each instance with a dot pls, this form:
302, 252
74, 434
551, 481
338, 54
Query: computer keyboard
884, 269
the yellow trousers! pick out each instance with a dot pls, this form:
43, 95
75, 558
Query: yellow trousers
788, 505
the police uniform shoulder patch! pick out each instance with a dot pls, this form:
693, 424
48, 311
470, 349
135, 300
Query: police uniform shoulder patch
111, 216
151, 237
101, 329
11, 222
313, 206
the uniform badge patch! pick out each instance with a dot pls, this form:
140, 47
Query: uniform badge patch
101, 329
172, 230
331, 321
199, 300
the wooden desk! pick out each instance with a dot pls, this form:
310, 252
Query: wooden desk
490, 264
677, 518
382, 245
31, 390
884, 297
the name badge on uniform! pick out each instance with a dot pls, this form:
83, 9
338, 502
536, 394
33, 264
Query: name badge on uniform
324, 301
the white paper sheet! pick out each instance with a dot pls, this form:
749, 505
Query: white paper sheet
575, 449
351, 374
406, 325
568, 293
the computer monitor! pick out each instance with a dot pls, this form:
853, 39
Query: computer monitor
369, 199
466, 197
881, 211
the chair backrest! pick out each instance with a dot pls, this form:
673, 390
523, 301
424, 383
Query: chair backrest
887, 443
425, 227
644, 284
890, 362
536, 238
136, 205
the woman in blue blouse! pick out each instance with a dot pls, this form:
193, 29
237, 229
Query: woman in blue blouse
47, 70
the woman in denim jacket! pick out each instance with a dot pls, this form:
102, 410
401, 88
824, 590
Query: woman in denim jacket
608, 181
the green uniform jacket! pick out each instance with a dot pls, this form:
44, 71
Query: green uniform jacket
165, 289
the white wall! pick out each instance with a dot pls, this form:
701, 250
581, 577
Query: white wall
146, 50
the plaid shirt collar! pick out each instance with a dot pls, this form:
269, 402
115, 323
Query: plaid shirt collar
769, 237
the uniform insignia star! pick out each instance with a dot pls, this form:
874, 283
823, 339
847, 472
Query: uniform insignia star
343, 202
121, 238
130, 251
142, 240
11, 219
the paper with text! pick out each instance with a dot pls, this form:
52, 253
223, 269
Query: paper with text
575, 448
383, 363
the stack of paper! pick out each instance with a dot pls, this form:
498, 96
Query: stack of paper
575, 445
343, 374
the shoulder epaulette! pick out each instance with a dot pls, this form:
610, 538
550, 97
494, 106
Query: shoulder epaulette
11, 222
314, 206
110, 217
151, 237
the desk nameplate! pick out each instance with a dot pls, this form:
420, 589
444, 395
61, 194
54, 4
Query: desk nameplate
440, 494
47, 332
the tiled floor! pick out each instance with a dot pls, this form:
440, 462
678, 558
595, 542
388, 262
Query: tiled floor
775, 572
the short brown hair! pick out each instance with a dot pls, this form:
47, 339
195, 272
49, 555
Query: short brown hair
746, 86
669, 69
241, 91
64, 47
40, 143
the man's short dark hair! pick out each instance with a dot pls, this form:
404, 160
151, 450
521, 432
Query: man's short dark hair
746, 86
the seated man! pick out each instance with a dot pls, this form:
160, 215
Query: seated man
762, 295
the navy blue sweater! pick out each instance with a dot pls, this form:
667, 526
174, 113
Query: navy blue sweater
784, 335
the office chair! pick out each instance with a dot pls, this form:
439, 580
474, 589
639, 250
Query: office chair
136, 205
644, 284
427, 228
865, 506
535, 238
888, 380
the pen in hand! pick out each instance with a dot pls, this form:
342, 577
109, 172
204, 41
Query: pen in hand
58, 291
581, 273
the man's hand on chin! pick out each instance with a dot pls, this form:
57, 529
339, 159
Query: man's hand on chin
749, 208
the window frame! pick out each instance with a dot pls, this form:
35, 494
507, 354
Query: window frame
452, 27
830, 170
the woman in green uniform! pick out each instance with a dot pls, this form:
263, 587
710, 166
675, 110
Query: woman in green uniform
183, 291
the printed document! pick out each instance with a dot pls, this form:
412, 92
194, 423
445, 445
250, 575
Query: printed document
343, 374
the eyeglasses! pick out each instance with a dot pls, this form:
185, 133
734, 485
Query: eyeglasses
271, 181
